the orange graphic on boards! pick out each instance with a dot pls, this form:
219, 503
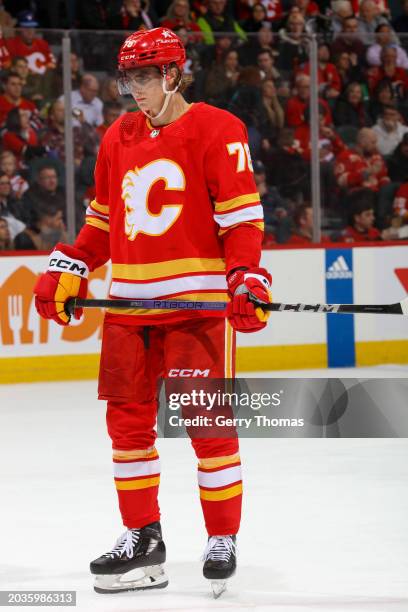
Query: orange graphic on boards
19, 321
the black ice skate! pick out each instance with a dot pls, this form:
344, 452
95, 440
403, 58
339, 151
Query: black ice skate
220, 562
134, 563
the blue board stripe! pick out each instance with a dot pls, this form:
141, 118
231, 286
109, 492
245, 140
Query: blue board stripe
339, 290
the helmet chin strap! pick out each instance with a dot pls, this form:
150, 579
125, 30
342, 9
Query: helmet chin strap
167, 96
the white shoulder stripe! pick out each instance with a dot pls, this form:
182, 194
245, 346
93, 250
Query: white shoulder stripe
239, 216
185, 284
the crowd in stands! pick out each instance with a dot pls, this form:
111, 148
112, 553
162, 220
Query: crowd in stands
250, 57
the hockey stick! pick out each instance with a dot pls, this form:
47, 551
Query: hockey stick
399, 308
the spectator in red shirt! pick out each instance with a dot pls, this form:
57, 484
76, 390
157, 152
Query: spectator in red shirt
328, 77
27, 44
361, 219
297, 104
5, 59
179, 15
389, 70
303, 226
330, 144
400, 205
308, 8
362, 166
19, 137
12, 98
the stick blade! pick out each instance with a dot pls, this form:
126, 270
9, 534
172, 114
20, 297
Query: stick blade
404, 306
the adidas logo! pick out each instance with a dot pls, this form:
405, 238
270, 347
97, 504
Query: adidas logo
339, 269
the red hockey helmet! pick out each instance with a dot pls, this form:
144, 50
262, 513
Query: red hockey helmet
156, 47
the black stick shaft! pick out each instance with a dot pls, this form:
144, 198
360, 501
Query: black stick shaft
185, 305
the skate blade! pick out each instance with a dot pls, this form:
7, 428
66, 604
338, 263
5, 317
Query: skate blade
218, 587
140, 579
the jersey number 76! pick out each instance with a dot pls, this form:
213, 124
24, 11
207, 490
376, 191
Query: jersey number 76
241, 150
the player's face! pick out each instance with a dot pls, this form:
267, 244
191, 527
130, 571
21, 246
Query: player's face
145, 85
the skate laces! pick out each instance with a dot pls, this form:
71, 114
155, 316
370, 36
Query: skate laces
124, 544
219, 548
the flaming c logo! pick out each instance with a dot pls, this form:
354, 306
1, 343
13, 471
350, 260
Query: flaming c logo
19, 321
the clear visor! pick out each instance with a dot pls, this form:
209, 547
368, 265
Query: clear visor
130, 81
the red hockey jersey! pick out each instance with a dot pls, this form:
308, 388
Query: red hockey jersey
168, 196
38, 54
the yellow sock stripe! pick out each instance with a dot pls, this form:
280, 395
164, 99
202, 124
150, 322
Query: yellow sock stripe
135, 454
212, 462
141, 483
221, 495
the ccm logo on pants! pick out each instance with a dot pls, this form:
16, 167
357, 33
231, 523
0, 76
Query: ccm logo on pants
187, 373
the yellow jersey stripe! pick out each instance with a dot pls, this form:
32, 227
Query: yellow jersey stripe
167, 268
98, 223
258, 224
221, 495
249, 198
141, 483
99, 207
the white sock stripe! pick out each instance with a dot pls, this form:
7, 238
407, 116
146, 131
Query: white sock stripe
220, 478
140, 468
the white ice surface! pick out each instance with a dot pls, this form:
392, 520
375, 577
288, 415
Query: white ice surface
325, 521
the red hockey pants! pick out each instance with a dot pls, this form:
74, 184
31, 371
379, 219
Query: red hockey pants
129, 372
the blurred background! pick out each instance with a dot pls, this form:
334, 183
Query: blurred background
321, 86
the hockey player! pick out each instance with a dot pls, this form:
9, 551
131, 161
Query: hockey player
178, 213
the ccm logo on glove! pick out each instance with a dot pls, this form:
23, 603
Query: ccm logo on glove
75, 266
65, 278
